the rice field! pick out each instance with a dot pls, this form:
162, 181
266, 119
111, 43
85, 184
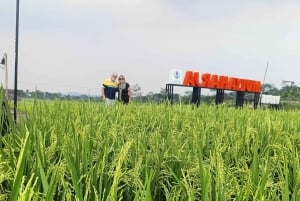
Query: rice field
85, 151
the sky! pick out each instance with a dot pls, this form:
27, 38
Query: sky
73, 45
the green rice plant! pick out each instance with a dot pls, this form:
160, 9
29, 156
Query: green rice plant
27, 192
20, 167
204, 177
72, 150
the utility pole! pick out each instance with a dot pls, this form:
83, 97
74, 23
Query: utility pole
263, 83
16, 60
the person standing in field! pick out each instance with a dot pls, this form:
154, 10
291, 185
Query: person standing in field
124, 90
109, 89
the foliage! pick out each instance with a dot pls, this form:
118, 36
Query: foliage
287, 93
68, 150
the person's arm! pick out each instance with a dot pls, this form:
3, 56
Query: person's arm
130, 92
103, 93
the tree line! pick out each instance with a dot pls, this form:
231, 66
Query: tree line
289, 92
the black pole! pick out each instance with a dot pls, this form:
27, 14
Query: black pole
16, 60
196, 96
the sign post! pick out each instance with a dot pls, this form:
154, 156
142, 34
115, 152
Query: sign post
213, 81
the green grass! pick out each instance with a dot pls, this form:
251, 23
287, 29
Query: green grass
66, 150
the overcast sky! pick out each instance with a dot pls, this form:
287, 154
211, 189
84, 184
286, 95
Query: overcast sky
73, 45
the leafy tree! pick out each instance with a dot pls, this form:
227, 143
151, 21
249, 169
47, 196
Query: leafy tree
270, 89
137, 90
